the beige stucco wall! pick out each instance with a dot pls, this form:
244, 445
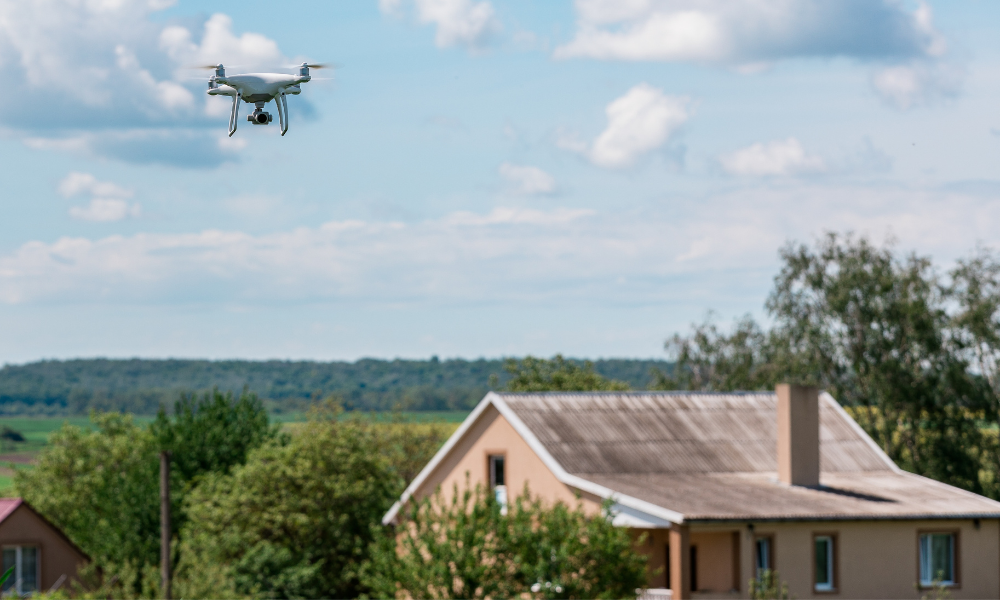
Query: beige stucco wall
58, 557
876, 559
493, 434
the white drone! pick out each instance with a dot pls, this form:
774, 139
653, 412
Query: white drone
258, 88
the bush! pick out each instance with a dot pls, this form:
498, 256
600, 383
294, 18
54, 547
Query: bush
469, 548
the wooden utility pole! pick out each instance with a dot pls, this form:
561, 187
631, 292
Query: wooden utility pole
165, 523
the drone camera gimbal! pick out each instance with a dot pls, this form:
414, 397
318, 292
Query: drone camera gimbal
258, 116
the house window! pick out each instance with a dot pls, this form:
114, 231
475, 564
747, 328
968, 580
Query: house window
498, 480
937, 559
24, 559
823, 553
764, 554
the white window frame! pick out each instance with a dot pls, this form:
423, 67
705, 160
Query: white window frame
926, 555
827, 586
18, 575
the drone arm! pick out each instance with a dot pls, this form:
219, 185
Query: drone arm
234, 116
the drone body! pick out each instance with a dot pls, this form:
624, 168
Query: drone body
259, 89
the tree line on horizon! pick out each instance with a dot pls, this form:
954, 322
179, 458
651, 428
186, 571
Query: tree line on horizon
141, 386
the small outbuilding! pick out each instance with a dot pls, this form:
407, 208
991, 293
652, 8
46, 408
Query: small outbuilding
727, 485
42, 556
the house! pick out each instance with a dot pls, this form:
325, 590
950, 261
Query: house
726, 485
42, 556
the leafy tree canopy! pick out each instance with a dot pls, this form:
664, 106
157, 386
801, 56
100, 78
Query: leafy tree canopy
906, 349
296, 520
532, 374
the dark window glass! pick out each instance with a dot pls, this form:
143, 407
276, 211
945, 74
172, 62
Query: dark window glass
763, 555
29, 569
824, 563
9, 560
497, 471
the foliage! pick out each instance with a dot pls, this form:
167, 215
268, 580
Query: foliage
213, 433
532, 374
884, 335
768, 586
711, 360
101, 487
295, 520
467, 547
141, 386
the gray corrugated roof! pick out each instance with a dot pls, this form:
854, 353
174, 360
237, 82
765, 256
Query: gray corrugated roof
713, 456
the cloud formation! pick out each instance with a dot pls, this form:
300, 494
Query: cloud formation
108, 201
917, 83
640, 121
465, 23
740, 33
527, 180
119, 78
778, 157
508, 254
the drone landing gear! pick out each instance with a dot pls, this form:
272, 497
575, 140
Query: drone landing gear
282, 103
235, 114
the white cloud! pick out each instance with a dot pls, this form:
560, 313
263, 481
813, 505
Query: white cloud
84, 183
108, 200
722, 31
465, 23
918, 83
778, 157
546, 257
220, 45
639, 122
119, 76
105, 209
527, 180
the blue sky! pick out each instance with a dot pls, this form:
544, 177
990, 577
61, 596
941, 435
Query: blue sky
475, 178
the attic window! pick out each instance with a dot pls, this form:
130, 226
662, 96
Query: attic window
498, 480
496, 471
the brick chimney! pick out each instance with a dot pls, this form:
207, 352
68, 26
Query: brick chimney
798, 434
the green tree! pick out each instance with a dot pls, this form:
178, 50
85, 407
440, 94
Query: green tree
213, 433
101, 488
295, 520
711, 360
467, 547
873, 329
532, 374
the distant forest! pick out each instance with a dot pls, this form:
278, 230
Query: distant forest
140, 386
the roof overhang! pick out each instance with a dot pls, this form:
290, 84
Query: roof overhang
627, 510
